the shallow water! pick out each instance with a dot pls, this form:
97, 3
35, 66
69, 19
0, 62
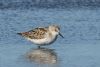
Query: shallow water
78, 48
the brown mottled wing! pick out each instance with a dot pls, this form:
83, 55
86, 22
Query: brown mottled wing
37, 33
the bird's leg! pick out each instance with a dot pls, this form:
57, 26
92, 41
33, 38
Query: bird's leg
39, 47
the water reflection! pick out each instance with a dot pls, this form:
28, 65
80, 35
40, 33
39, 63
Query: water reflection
42, 55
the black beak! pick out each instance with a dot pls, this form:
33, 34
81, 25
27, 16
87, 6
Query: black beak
61, 35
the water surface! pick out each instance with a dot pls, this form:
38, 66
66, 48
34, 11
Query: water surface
80, 28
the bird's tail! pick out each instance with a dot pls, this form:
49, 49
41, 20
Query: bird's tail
19, 33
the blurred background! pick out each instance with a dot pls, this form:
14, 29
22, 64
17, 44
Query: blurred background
28, 4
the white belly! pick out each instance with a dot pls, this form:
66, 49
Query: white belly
41, 42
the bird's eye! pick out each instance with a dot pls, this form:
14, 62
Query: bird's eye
56, 30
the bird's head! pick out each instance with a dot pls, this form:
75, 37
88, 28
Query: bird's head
55, 30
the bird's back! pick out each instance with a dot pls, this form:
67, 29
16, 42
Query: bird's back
37, 33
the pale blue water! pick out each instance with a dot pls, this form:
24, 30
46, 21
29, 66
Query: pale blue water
79, 48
